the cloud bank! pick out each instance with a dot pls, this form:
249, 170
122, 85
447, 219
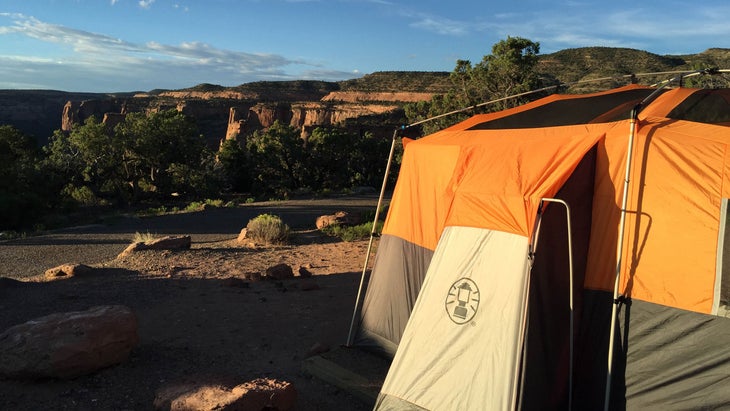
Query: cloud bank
80, 55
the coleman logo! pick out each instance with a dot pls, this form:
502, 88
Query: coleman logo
462, 301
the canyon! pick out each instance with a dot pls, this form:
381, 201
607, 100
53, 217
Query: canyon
229, 112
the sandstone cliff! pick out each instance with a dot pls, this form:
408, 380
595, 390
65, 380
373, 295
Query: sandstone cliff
37, 112
224, 115
368, 104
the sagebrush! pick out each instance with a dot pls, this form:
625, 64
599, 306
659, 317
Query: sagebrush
267, 229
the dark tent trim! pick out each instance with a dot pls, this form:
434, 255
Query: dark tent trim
581, 110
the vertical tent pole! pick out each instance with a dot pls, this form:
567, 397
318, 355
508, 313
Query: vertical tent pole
622, 221
350, 335
619, 256
570, 299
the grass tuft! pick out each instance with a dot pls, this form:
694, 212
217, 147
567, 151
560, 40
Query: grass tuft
143, 237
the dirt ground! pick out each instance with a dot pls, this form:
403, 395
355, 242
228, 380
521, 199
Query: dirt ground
196, 325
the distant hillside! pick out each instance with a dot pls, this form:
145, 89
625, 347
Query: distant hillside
565, 66
398, 81
311, 90
581, 64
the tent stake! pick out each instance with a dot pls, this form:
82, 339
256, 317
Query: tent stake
350, 335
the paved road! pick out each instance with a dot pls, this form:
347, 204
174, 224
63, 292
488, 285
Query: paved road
99, 243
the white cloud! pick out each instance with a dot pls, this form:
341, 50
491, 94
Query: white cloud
145, 4
150, 65
441, 26
658, 30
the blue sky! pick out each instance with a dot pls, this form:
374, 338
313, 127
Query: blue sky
130, 45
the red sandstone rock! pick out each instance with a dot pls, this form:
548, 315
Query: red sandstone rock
68, 345
67, 271
340, 217
165, 243
280, 272
257, 395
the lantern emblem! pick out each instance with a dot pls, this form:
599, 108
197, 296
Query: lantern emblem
462, 300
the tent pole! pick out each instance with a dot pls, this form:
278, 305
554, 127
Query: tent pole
570, 298
350, 335
622, 221
619, 255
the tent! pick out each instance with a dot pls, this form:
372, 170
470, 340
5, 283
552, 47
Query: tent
522, 247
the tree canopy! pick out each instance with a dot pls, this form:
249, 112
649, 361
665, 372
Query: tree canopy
509, 70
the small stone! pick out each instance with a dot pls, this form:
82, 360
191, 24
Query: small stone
280, 272
303, 272
242, 236
67, 271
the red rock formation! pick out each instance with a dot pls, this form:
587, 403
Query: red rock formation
230, 115
68, 345
255, 395
236, 123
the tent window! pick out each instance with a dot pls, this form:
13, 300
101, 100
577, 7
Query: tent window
722, 280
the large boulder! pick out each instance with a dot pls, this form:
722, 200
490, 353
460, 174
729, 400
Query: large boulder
68, 345
257, 395
340, 217
181, 242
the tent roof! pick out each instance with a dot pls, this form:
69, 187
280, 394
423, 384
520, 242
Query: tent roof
518, 167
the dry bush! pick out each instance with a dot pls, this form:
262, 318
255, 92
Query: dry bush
267, 229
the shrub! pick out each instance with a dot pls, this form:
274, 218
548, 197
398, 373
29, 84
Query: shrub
155, 211
218, 203
351, 233
267, 229
201, 205
194, 206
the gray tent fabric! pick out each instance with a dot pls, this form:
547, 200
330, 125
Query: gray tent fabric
546, 361
692, 348
695, 347
399, 270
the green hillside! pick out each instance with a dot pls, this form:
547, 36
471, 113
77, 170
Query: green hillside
588, 63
